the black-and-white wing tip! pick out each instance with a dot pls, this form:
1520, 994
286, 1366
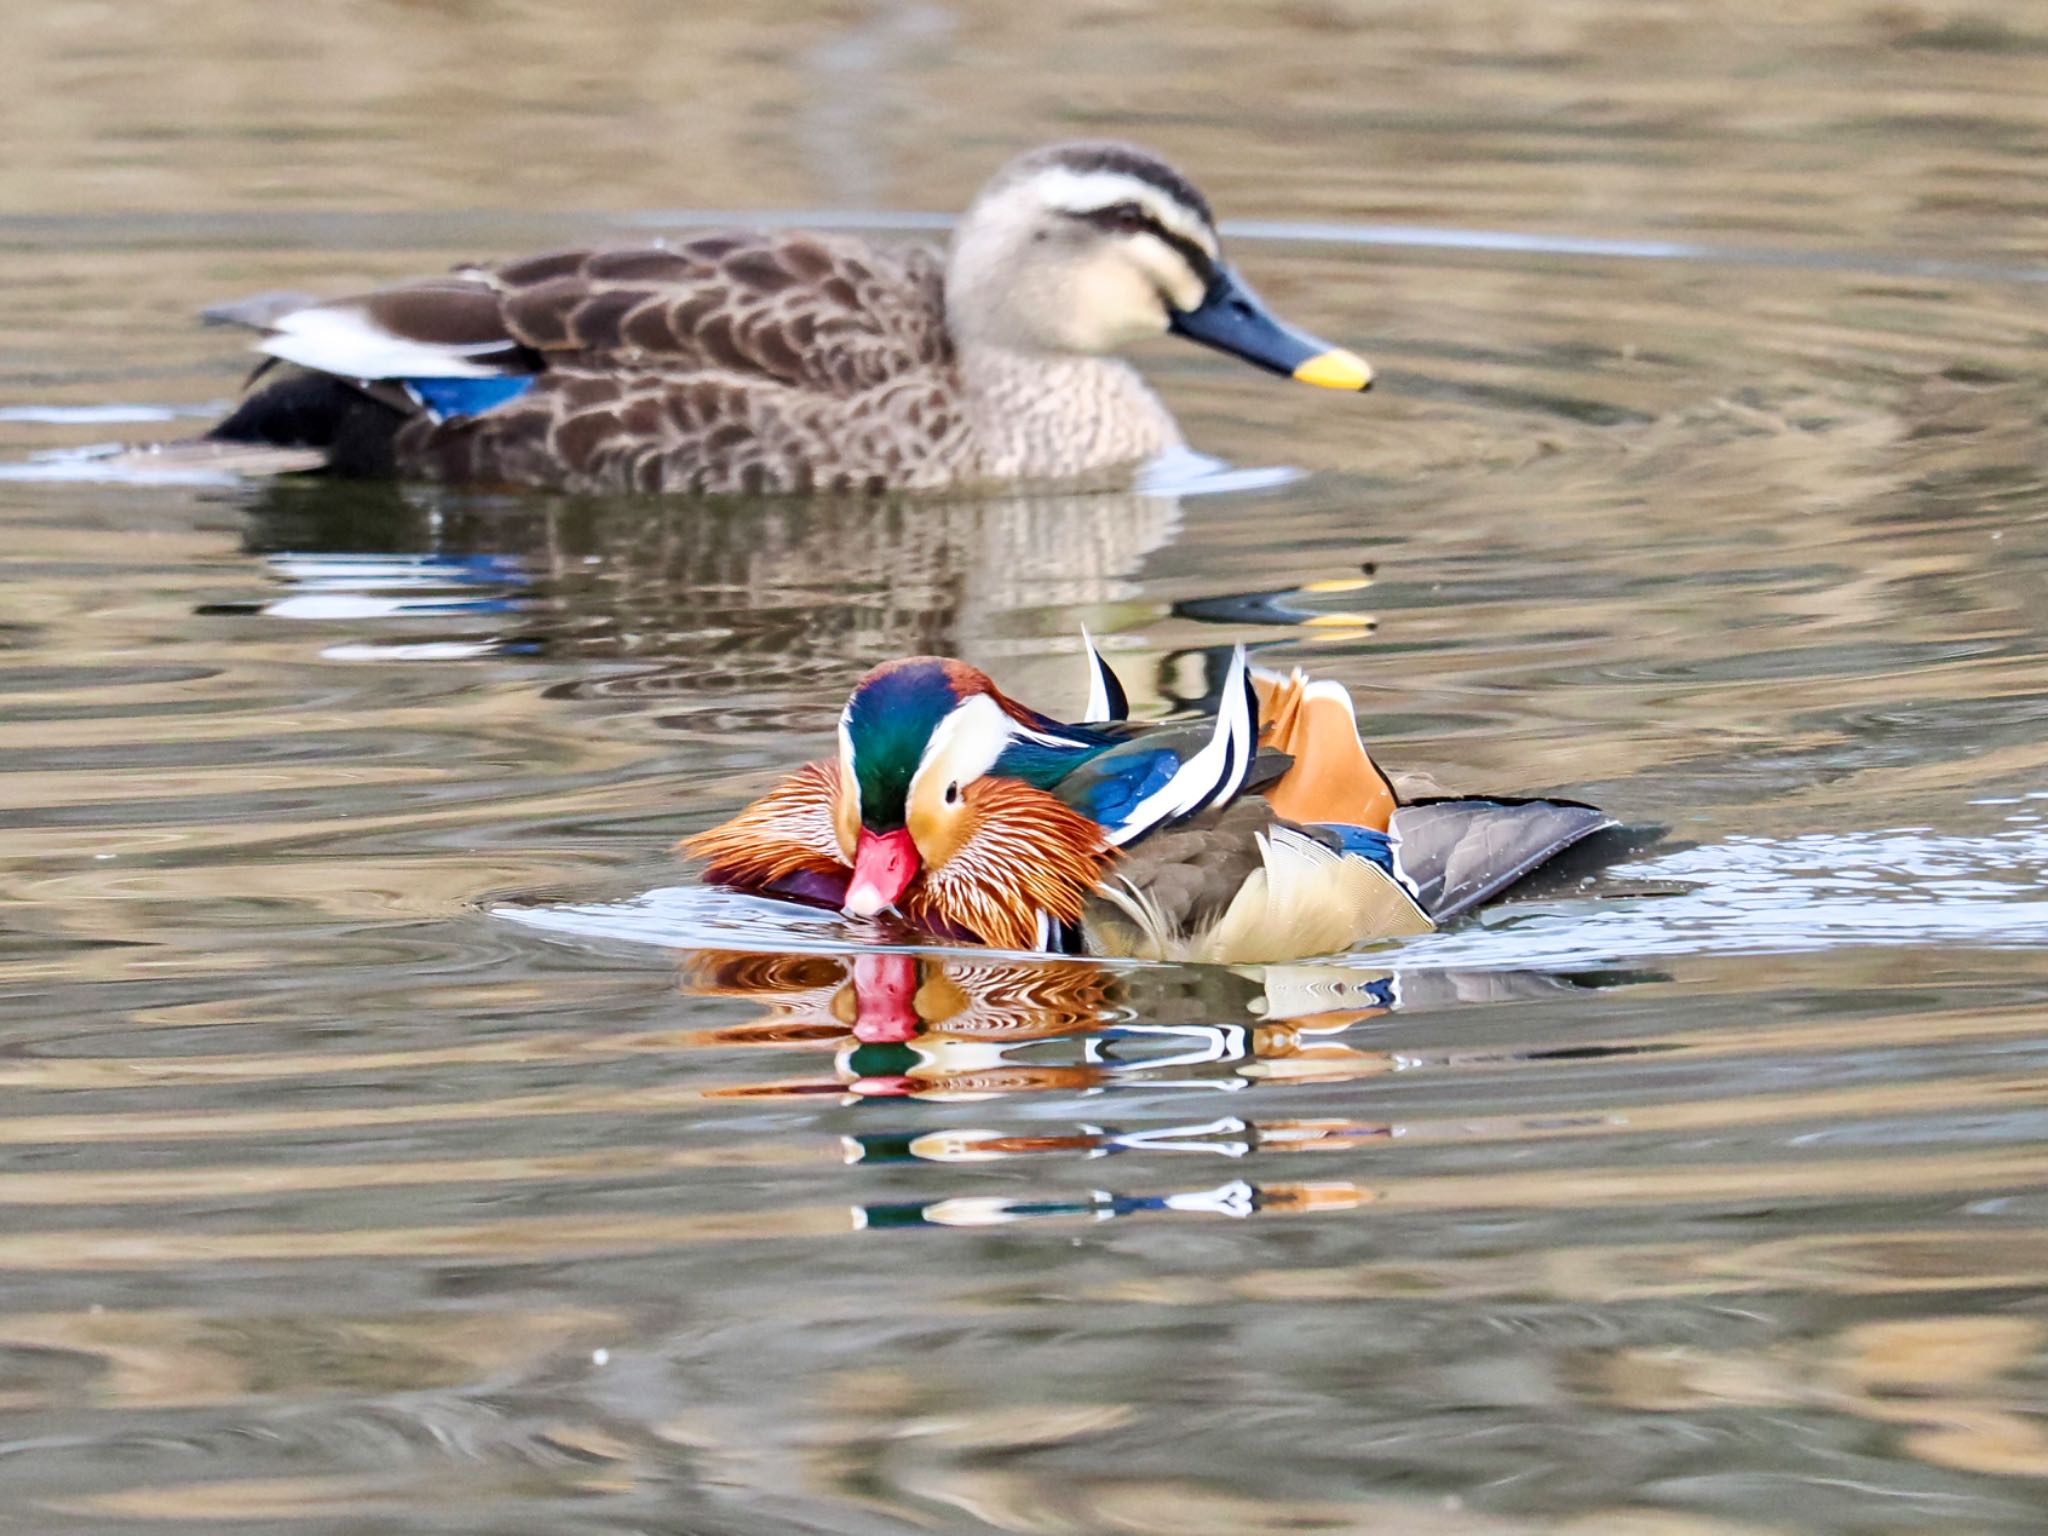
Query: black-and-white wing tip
1107, 700
1212, 776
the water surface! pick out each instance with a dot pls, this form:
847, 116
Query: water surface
396, 1140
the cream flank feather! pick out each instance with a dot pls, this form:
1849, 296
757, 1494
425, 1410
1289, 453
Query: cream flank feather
1304, 899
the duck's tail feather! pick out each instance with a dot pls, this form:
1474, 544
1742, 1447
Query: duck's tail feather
315, 420
258, 311
1455, 854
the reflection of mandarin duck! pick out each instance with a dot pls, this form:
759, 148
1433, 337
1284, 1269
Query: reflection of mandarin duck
902, 1026
756, 362
1265, 834
909, 1026
881, 997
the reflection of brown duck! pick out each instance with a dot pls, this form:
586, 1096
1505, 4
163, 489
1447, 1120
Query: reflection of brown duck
722, 602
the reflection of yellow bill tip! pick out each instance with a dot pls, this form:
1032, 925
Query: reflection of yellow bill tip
1336, 369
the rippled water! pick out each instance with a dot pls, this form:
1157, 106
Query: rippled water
397, 1139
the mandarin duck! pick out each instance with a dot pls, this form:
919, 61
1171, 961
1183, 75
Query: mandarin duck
776, 362
1264, 834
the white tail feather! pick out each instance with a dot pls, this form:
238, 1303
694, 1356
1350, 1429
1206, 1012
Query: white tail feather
349, 344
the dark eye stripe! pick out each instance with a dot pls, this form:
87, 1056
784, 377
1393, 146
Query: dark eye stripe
1112, 219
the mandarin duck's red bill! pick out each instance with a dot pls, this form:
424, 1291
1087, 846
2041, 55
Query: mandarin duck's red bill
1265, 833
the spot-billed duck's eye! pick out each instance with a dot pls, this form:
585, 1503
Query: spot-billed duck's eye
1125, 218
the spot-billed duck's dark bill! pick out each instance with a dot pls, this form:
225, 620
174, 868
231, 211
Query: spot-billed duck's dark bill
1233, 319
884, 864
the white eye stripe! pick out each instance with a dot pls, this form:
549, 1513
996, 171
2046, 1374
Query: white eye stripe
964, 746
966, 743
1087, 191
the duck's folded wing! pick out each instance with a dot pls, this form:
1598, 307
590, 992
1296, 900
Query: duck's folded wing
826, 316
1114, 786
1454, 854
446, 328
1169, 773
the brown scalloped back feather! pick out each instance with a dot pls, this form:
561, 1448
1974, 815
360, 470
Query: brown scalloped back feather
737, 362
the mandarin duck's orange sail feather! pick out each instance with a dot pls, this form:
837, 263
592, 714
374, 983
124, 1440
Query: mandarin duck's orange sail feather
1333, 778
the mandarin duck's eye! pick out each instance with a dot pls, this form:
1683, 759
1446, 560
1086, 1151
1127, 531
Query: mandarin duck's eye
952, 794
1125, 218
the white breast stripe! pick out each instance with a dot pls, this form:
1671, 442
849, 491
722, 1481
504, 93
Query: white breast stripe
847, 776
347, 343
1214, 775
1237, 720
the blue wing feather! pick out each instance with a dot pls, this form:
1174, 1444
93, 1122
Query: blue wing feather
1362, 842
467, 397
1123, 780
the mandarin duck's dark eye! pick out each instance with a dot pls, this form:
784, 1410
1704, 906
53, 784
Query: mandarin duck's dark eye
952, 794
1125, 218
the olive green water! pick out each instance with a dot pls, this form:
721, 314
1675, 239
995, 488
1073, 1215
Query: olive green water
395, 1140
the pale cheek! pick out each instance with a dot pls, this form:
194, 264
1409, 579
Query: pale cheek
1186, 289
1114, 304
1168, 273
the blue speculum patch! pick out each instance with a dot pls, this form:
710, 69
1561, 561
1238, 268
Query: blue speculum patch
468, 397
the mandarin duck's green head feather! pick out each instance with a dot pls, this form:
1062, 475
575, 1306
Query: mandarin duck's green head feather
929, 712
927, 745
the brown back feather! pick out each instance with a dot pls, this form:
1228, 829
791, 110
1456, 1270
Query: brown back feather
739, 362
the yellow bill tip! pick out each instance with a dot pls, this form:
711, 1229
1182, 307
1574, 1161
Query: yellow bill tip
1336, 369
